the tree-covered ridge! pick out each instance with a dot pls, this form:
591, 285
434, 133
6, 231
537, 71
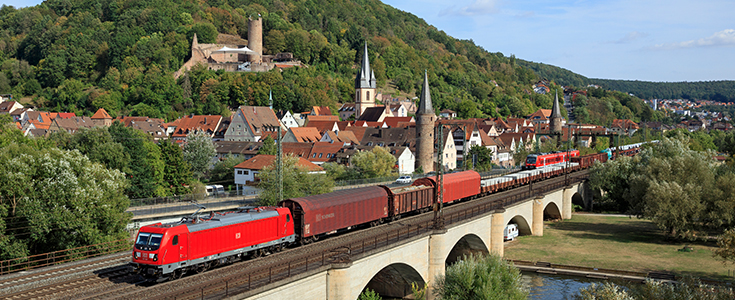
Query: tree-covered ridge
81, 55
721, 91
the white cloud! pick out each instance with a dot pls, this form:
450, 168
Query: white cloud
478, 7
631, 36
722, 38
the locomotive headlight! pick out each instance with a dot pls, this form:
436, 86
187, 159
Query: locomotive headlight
155, 257
151, 255
137, 254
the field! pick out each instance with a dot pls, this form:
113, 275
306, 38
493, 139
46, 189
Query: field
618, 243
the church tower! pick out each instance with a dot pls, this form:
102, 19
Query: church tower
425, 118
556, 120
365, 85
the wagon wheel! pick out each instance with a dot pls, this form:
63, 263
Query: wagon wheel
202, 267
177, 274
396, 217
374, 223
276, 248
257, 253
315, 238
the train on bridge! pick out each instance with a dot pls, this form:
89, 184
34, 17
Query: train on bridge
168, 251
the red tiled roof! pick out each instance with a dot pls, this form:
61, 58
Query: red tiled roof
321, 111
66, 115
394, 121
311, 118
206, 123
322, 126
101, 114
306, 134
260, 161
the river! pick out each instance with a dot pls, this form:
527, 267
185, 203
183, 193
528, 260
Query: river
554, 287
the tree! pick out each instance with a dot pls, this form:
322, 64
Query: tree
686, 288
375, 163
483, 156
97, 144
177, 172
481, 277
57, 199
269, 146
296, 182
199, 151
369, 294
224, 171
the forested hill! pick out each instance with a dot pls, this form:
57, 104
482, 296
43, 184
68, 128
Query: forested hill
722, 91
80, 55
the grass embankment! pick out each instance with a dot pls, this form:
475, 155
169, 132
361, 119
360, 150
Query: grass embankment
617, 243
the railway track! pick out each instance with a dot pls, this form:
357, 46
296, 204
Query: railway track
94, 280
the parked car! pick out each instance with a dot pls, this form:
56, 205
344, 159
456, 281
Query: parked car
404, 179
510, 232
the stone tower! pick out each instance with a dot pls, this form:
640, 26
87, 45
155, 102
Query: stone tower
365, 85
425, 118
255, 39
556, 120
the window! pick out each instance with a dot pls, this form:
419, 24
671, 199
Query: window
246, 172
368, 96
288, 218
239, 172
313, 155
320, 155
175, 241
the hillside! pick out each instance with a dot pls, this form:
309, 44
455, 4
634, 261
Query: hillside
80, 55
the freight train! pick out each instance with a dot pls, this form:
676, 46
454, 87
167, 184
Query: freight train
168, 251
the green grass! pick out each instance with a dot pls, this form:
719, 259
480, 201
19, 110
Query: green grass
617, 243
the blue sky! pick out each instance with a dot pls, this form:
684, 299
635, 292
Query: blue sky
651, 40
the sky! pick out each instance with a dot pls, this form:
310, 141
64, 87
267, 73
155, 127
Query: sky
650, 40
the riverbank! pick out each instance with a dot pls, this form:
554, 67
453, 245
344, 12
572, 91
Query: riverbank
617, 242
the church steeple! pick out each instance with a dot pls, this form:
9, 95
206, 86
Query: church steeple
555, 120
365, 85
365, 78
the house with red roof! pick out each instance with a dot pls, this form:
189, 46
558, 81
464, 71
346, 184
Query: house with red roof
246, 173
302, 135
251, 123
196, 123
102, 118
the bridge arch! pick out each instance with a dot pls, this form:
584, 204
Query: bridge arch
524, 228
394, 281
577, 199
552, 211
468, 244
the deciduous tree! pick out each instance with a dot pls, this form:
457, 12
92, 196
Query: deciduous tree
296, 182
199, 152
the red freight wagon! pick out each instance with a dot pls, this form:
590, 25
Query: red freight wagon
456, 185
326, 213
173, 248
409, 198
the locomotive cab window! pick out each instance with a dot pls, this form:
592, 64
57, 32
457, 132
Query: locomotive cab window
148, 241
288, 218
175, 240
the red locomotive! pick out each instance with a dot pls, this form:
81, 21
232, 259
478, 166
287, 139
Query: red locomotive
196, 244
539, 160
170, 250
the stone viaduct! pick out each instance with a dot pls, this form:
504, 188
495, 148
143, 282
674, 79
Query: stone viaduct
391, 271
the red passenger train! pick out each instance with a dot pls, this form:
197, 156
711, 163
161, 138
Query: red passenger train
539, 160
196, 244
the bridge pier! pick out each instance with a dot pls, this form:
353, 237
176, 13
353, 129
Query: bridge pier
538, 216
496, 232
566, 210
338, 282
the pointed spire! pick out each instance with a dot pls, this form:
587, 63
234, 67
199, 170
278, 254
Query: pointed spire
362, 80
425, 106
555, 112
270, 99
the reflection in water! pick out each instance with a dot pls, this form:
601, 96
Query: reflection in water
554, 287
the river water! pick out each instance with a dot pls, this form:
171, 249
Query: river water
554, 287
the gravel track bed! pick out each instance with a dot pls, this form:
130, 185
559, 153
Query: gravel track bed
48, 276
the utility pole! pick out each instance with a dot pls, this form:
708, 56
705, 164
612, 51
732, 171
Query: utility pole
279, 165
439, 204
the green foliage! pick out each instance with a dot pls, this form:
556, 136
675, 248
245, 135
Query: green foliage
269, 146
374, 163
369, 294
176, 172
481, 277
53, 199
687, 288
146, 168
484, 157
199, 152
296, 182
224, 171
679, 189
